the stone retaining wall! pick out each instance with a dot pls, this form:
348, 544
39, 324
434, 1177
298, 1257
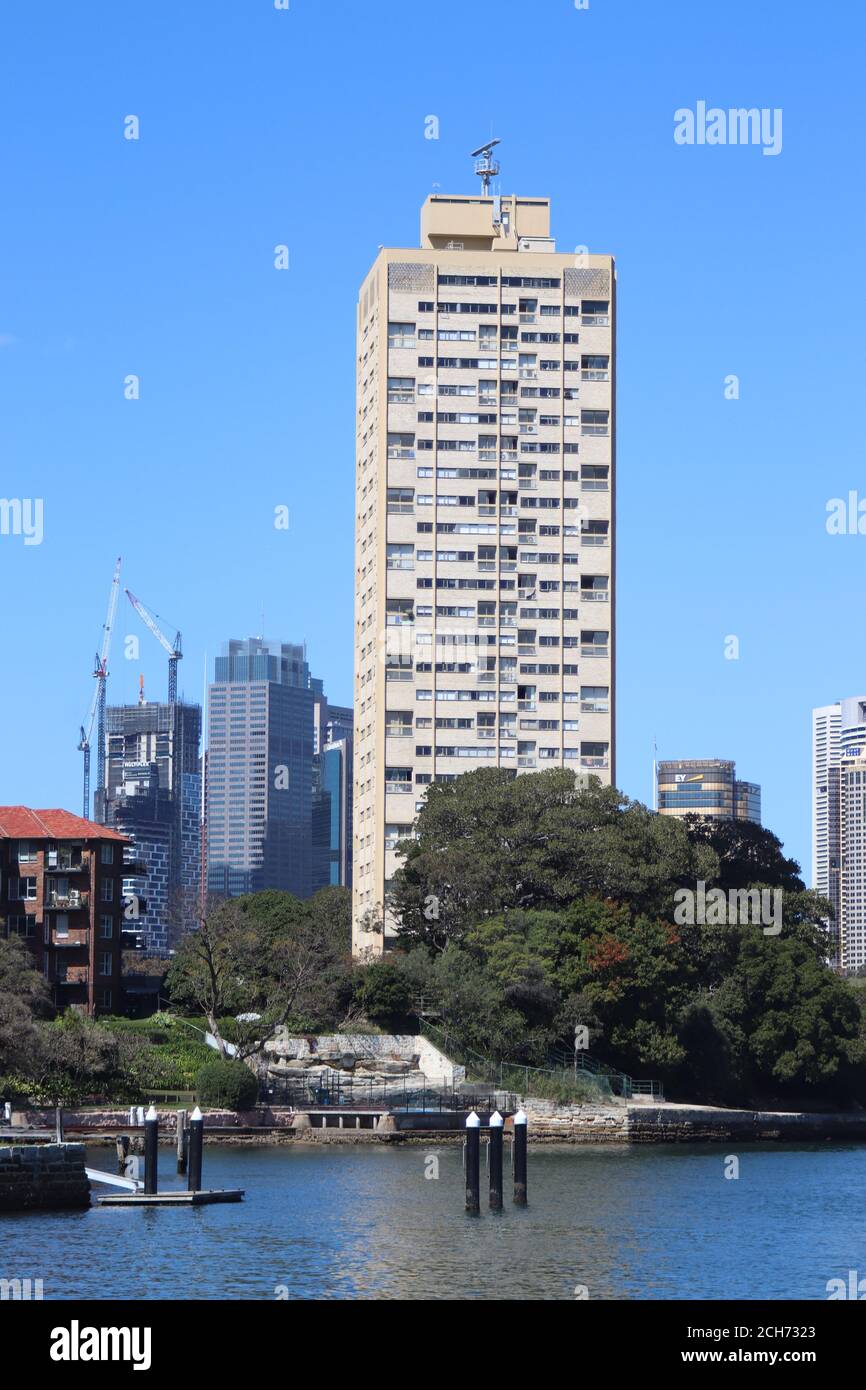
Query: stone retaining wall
577, 1124
44, 1177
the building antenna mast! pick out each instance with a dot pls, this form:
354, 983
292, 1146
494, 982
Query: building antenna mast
486, 167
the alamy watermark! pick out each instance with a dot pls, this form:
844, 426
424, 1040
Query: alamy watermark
22, 516
737, 907
737, 126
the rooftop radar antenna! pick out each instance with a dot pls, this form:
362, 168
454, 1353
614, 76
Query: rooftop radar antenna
486, 167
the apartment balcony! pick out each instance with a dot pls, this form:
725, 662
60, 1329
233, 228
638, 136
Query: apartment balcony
487, 455
594, 707
72, 975
526, 762
591, 374
592, 538
400, 452
66, 943
594, 596
595, 320
527, 704
67, 902
65, 863
401, 397
594, 762
595, 485
401, 509
528, 374
599, 430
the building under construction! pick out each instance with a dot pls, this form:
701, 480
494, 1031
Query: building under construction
152, 793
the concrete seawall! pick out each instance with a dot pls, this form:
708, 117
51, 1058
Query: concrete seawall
670, 1123
44, 1177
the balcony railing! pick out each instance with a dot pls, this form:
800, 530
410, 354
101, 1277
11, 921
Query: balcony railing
593, 762
595, 429
595, 320
593, 374
594, 651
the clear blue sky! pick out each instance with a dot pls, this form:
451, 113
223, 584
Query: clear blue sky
306, 127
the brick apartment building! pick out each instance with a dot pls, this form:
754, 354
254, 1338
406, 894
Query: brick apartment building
61, 892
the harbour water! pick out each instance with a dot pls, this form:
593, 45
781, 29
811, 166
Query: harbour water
367, 1222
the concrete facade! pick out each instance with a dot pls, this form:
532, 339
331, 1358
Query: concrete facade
485, 519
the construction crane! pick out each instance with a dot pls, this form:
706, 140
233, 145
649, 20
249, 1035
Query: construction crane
96, 713
174, 649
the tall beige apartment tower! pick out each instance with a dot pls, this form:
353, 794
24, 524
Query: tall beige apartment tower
484, 532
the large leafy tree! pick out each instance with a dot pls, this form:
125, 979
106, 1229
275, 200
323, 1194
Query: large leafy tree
489, 842
264, 960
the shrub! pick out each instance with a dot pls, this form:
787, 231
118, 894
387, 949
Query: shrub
229, 1085
384, 993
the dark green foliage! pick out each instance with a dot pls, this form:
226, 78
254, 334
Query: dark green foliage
226, 1085
384, 995
269, 955
529, 906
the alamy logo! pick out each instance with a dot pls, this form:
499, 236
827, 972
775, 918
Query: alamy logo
77, 1343
736, 126
737, 907
21, 1290
22, 516
855, 1289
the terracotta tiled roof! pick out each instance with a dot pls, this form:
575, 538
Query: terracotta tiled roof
22, 823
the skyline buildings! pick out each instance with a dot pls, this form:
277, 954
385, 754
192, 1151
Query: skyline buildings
259, 783
706, 787
839, 824
484, 529
152, 794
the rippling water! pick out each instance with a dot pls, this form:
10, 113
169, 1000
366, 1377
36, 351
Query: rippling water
364, 1222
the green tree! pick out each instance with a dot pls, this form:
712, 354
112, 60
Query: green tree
489, 842
266, 958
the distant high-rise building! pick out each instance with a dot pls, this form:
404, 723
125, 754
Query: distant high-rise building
484, 569
260, 770
839, 824
152, 794
706, 787
332, 811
